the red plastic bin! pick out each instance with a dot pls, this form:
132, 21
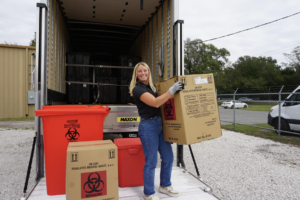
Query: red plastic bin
131, 161
64, 124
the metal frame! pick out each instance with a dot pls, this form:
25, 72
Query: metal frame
97, 66
100, 23
234, 108
177, 71
40, 86
178, 50
101, 66
178, 63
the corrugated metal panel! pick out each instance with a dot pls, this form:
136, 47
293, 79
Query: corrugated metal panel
59, 42
159, 43
154, 48
160, 27
14, 79
165, 39
31, 109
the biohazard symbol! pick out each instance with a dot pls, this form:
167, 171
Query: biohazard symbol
169, 108
72, 134
94, 184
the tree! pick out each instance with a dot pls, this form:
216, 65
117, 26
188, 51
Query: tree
291, 71
201, 58
288, 75
33, 41
294, 57
249, 72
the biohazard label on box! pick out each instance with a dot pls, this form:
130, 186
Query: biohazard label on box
93, 184
191, 115
92, 170
169, 110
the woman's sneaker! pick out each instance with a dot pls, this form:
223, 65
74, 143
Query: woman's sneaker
168, 191
151, 197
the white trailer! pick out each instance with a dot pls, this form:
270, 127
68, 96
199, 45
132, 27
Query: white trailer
106, 29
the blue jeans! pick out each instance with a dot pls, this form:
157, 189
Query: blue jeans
151, 135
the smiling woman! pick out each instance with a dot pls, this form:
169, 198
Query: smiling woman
150, 130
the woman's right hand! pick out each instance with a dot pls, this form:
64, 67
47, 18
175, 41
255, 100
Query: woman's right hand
178, 86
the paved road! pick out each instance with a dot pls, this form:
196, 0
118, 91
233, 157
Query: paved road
243, 116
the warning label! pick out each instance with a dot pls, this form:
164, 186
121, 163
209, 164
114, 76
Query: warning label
199, 105
169, 110
72, 124
174, 126
193, 109
93, 184
191, 99
206, 98
72, 133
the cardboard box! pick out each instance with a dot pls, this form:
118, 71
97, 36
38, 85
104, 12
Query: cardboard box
191, 115
92, 170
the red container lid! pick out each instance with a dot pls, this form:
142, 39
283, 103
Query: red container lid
124, 143
72, 109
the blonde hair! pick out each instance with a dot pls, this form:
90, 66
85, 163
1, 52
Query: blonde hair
134, 78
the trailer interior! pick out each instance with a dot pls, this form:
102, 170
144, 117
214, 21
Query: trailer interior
107, 31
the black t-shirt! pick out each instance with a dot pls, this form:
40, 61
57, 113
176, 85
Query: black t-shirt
145, 111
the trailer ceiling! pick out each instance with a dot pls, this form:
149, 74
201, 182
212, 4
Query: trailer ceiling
106, 26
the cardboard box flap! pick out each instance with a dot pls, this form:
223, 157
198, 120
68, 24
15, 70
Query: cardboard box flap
89, 142
90, 145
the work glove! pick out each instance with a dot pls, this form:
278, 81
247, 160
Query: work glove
178, 86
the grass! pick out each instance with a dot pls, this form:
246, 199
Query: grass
264, 133
17, 119
259, 107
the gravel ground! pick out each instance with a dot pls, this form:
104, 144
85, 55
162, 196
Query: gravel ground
15, 149
235, 165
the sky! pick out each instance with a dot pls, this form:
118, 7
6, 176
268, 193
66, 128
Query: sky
202, 20
210, 19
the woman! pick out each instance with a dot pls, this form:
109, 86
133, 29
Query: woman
150, 130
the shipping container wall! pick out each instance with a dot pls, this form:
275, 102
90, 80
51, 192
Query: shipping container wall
58, 45
154, 44
15, 81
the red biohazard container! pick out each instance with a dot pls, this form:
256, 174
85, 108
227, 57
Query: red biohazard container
64, 124
131, 161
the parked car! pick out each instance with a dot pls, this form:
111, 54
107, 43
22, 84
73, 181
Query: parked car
289, 114
231, 103
245, 99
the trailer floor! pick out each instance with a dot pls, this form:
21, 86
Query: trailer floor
188, 186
